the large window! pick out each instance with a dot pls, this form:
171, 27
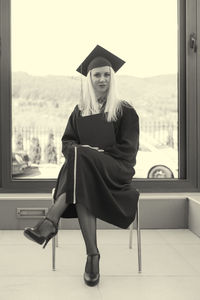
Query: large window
45, 87
44, 44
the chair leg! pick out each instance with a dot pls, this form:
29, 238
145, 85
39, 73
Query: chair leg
54, 242
54, 253
139, 240
54, 245
131, 236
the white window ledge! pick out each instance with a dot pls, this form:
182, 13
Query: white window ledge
143, 196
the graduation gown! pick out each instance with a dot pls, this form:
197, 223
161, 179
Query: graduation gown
102, 181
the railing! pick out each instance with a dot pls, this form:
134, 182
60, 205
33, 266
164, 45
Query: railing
160, 132
45, 143
38, 143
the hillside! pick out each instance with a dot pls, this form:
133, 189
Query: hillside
48, 100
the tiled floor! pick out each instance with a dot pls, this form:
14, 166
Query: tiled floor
170, 262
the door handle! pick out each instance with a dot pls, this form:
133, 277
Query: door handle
193, 42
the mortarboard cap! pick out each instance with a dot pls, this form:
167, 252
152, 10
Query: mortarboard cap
100, 57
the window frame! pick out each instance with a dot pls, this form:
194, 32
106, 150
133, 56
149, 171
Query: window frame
188, 111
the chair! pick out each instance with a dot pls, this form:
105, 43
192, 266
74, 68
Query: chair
137, 219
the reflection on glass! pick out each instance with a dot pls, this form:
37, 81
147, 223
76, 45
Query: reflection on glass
45, 86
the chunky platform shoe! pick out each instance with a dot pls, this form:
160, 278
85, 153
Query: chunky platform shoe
91, 275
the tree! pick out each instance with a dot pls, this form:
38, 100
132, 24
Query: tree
35, 151
50, 150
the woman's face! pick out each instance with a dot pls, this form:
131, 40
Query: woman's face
100, 80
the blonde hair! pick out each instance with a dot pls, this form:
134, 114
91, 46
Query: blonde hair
88, 103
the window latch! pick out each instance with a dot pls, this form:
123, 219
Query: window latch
193, 42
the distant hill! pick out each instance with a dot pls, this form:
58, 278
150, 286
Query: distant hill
48, 100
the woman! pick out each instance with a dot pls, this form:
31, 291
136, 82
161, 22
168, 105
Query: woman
95, 180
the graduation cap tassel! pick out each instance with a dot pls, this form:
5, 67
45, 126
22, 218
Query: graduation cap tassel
81, 88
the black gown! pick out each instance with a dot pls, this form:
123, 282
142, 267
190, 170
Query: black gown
102, 181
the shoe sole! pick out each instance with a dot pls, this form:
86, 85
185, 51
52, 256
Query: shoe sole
92, 283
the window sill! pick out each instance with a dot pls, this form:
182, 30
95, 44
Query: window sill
143, 196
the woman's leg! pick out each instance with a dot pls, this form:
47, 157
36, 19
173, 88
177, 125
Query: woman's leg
87, 223
54, 213
57, 209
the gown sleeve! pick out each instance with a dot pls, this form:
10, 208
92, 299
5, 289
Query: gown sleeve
127, 138
70, 137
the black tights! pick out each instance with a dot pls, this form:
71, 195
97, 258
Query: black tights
87, 221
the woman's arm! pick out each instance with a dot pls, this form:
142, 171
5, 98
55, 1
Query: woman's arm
127, 140
70, 137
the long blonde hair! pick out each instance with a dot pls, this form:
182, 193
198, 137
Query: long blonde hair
88, 103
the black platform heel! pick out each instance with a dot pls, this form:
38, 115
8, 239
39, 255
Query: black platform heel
34, 233
92, 277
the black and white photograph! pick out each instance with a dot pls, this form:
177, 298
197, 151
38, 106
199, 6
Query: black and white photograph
99, 149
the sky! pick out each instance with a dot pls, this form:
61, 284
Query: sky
52, 37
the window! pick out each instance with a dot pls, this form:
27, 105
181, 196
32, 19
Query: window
40, 86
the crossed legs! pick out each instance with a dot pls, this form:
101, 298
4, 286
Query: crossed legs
47, 228
87, 222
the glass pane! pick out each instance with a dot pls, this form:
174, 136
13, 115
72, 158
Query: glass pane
49, 41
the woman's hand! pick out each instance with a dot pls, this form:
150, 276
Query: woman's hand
95, 148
